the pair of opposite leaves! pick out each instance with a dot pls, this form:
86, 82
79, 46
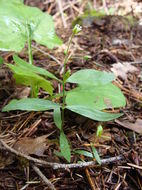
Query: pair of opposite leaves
84, 105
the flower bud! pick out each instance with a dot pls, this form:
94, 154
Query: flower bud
77, 28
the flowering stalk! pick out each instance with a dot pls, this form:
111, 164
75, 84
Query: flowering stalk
75, 31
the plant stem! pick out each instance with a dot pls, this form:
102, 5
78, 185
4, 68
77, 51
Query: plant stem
64, 72
29, 35
29, 32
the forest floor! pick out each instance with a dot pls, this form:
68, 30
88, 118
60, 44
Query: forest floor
112, 44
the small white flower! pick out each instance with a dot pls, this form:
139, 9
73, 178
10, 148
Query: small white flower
77, 28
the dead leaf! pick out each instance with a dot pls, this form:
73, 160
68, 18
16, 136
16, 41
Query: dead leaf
22, 92
28, 145
137, 126
122, 69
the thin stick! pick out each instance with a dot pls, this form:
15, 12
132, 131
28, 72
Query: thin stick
49, 184
134, 166
105, 6
66, 7
45, 53
62, 13
92, 185
24, 187
56, 166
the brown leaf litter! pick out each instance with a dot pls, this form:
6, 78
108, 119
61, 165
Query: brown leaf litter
136, 126
28, 145
122, 69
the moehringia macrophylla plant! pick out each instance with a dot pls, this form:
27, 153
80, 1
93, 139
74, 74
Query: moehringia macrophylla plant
94, 90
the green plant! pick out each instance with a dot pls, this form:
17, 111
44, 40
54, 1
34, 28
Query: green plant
99, 131
94, 92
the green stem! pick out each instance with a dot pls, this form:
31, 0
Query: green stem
30, 44
29, 35
64, 72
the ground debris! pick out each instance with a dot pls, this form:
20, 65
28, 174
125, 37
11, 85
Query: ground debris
122, 69
28, 145
137, 126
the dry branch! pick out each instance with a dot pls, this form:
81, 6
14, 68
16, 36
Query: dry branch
55, 165
49, 184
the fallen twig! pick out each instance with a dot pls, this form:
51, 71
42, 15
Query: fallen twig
66, 7
56, 166
88, 164
62, 13
92, 185
45, 53
49, 184
134, 166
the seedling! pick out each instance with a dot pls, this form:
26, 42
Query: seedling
94, 92
99, 131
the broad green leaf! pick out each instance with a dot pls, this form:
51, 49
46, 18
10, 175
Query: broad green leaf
91, 77
14, 1
10, 37
84, 153
28, 78
13, 25
33, 80
97, 97
93, 113
96, 155
31, 104
26, 66
57, 118
14, 18
65, 147
44, 33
